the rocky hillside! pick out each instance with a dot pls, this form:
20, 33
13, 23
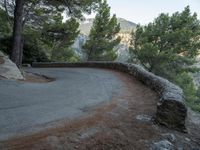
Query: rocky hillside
126, 26
79, 42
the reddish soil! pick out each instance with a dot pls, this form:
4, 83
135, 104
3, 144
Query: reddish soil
112, 126
36, 78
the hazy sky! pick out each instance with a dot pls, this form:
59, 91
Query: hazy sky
144, 11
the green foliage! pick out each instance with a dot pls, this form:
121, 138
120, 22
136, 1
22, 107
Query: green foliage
5, 29
192, 95
167, 47
169, 41
65, 55
102, 38
42, 26
32, 50
5, 44
46, 37
198, 92
186, 83
37, 12
59, 37
33, 53
61, 33
74, 8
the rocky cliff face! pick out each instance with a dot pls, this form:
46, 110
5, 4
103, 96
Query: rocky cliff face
123, 48
122, 52
77, 46
8, 69
126, 26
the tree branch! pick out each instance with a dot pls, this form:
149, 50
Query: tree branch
7, 14
27, 13
68, 5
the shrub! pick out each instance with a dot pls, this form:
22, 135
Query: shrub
33, 50
192, 95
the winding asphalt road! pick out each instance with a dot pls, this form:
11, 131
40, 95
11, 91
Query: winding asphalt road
29, 107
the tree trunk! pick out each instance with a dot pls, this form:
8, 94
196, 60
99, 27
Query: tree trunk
90, 56
21, 50
17, 33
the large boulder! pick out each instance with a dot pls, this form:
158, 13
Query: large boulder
8, 69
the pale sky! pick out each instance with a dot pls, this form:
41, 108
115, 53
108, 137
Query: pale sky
144, 11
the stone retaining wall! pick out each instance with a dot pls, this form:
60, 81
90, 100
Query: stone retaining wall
171, 110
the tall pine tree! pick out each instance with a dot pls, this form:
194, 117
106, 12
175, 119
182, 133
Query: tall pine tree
17, 33
102, 38
168, 47
28, 11
170, 42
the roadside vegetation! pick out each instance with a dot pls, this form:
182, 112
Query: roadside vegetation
36, 30
48, 29
168, 47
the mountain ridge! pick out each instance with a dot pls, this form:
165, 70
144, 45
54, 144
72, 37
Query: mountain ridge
126, 26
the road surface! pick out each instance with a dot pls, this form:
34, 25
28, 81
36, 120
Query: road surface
84, 109
29, 107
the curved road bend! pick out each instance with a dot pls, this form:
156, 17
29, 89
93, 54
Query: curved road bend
29, 107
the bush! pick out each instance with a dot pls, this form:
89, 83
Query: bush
33, 50
64, 55
192, 95
5, 45
168, 47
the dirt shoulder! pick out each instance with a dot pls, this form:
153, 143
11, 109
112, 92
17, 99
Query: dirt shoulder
124, 123
36, 78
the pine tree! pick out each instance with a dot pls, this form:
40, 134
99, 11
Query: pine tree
60, 36
170, 42
168, 47
17, 33
28, 12
102, 38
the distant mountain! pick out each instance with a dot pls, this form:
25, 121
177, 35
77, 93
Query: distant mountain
126, 26
122, 48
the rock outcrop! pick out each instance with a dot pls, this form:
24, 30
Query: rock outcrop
171, 110
8, 69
